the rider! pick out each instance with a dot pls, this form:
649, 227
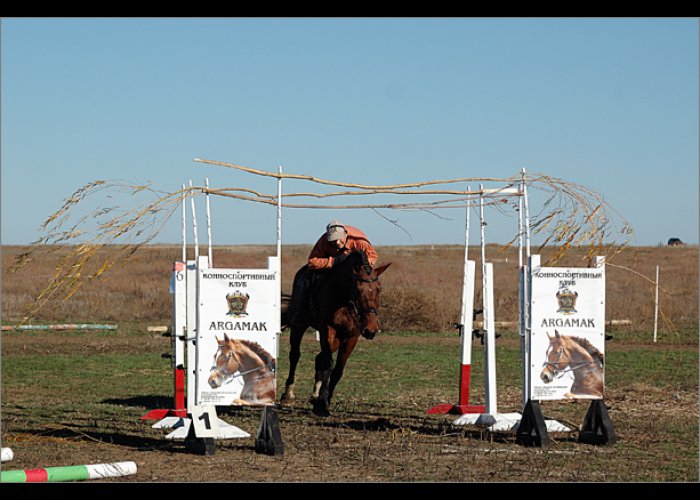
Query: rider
336, 243
329, 251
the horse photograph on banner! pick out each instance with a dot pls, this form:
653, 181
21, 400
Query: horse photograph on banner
248, 360
576, 359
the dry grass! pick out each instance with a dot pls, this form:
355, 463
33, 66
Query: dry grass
421, 289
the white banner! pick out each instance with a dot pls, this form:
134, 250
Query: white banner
237, 334
567, 340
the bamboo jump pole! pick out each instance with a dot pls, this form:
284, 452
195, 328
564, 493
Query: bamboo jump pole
309, 178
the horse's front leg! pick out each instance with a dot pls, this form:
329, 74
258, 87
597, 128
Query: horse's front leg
344, 353
295, 335
324, 364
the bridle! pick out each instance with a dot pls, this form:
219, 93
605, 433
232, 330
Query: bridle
557, 372
361, 312
229, 376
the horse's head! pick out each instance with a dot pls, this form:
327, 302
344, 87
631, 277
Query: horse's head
226, 362
367, 288
558, 358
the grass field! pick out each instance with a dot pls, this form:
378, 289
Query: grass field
76, 397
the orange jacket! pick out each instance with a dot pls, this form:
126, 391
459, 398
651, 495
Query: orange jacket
321, 256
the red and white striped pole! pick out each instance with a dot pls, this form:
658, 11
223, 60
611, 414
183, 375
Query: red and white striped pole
178, 289
465, 325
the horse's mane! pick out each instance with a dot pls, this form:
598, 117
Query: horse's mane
364, 262
590, 348
261, 352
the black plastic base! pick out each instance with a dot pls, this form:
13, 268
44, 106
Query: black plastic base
532, 430
269, 438
200, 446
597, 427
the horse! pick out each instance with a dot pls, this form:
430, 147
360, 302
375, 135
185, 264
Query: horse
578, 356
346, 303
252, 362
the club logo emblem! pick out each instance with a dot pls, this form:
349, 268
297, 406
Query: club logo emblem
237, 304
567, 301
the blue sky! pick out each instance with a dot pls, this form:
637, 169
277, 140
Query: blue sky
611, 104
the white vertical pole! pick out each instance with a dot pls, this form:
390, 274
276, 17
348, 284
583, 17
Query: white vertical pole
191, 335
656, 304
193, 319
490, 341
211, 263
184, 225
194, 225
487, 315
466, 319
523, 298
465, 306
483, 223
527, 217
279, 214
525, 303
520, 229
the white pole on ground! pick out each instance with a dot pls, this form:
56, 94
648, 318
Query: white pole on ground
211, 262
656, 304
194, 226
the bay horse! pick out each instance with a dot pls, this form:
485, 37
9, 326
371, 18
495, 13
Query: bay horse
252, 362
578, 356
346, 303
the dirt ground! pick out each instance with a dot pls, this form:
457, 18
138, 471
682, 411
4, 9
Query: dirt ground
391, 442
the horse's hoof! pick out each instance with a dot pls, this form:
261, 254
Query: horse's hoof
321, 411
286, 400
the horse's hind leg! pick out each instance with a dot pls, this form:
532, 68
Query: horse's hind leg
295, 335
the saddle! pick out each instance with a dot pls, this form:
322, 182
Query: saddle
302, 305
